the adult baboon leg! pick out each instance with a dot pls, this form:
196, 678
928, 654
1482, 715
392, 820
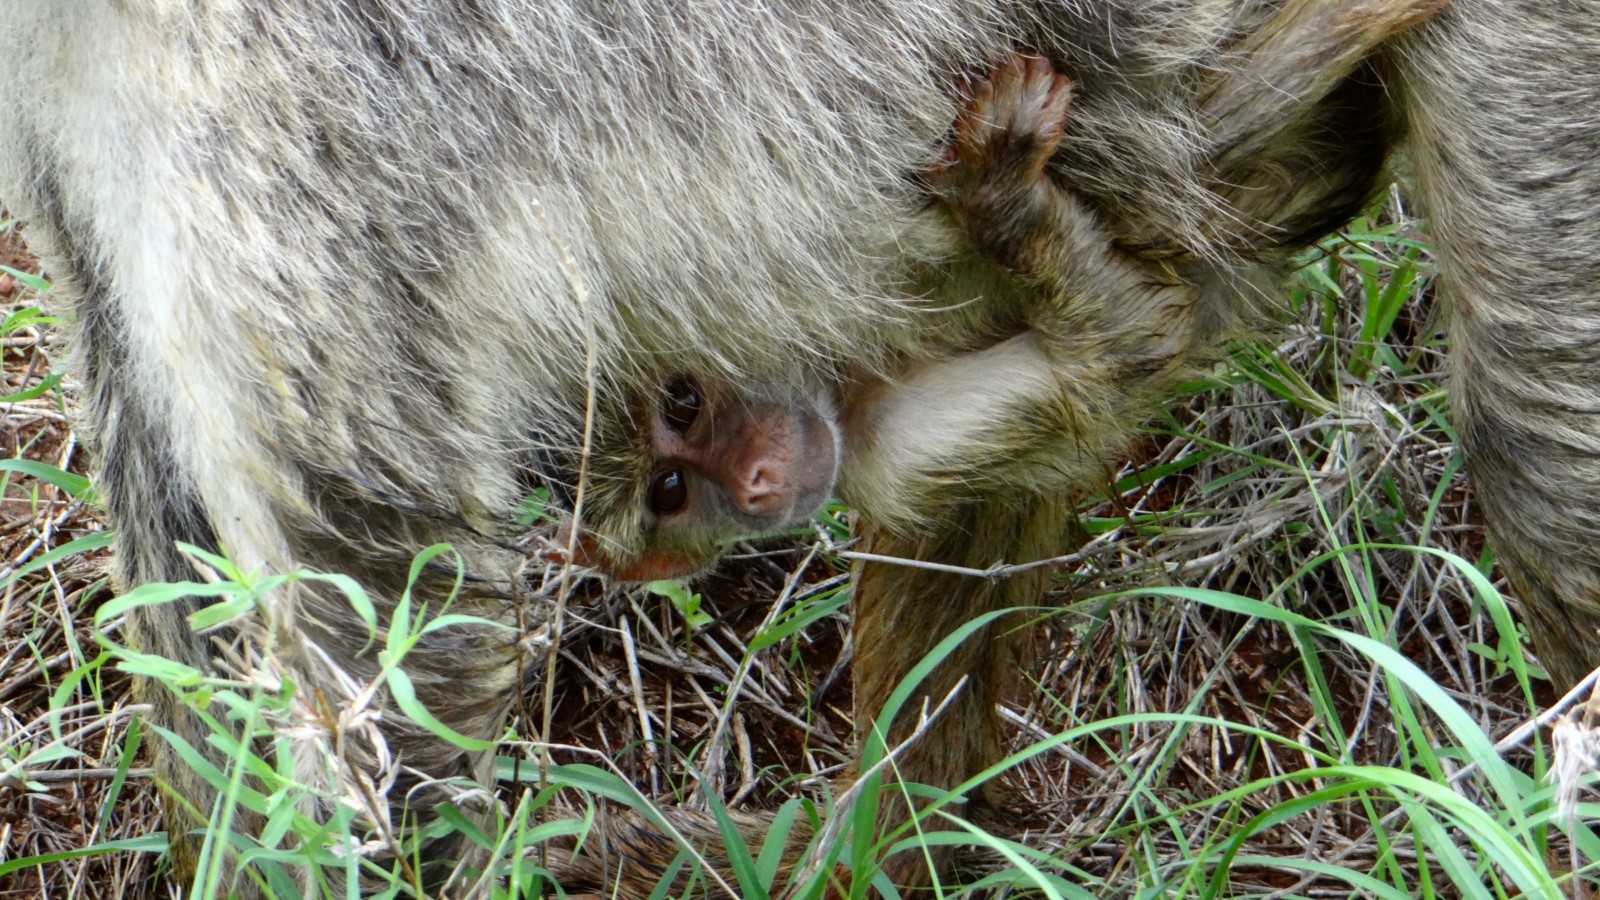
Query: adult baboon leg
1501, 97
157, 502
148, 494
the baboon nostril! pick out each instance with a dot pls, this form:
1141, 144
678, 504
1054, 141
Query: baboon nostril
762, 493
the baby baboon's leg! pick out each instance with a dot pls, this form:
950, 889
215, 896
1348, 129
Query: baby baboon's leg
902, 612
1107, 331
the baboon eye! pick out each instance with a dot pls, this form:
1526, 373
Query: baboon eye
668, 493
681, 406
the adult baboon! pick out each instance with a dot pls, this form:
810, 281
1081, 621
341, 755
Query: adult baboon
324, 318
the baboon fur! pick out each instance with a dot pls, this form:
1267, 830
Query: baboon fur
315, 257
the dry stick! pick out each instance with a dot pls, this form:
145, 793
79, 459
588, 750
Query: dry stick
564, 588
1526, 729
1002, 570
996, 572
57, 775
747, 761
652, 753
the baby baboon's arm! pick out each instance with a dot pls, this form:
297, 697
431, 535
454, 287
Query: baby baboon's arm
1106, 334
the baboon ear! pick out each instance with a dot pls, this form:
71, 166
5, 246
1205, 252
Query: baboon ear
580, 550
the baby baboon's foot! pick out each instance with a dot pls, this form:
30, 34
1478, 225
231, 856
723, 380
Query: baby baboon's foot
1014, 117
993, 179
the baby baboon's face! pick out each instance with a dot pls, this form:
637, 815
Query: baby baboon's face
704, 463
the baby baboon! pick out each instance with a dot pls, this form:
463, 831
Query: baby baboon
338, 272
